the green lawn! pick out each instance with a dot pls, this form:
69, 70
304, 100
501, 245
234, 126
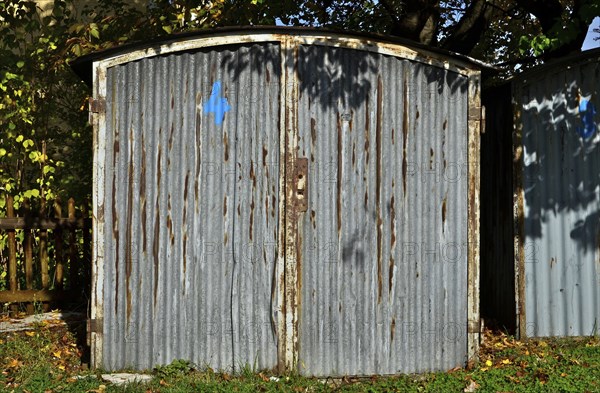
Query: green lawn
48, 359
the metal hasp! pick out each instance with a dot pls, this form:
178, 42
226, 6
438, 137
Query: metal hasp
93, 326
302, 201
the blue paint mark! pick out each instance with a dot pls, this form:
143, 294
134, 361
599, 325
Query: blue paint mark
587, 111
217, 104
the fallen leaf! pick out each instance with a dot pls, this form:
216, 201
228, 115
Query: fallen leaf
263, 377
61, 367
471, 387
56, 354
483, 369
541, 376
163, 383
506, 361
30, 333
14, 363
488, 363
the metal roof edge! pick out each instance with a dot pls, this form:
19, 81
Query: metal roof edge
82, 66
572, 59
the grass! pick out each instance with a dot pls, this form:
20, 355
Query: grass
48, 359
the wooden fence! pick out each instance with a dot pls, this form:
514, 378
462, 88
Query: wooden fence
53, 261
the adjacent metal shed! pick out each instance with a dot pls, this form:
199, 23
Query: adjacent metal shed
285, 198
546, 270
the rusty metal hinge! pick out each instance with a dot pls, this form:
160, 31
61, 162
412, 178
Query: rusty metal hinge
301, 184
97, 105
93, 326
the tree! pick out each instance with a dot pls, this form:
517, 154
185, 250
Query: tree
493, 30
45, 144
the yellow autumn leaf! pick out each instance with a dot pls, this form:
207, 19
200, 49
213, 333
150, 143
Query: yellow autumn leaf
526, 353
56, 354
483, 369
30, 333
506, 361
488, 363
61, 367
14, 363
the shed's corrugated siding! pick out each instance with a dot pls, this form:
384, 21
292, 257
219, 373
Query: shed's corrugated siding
190, 240
384, 240
561, 183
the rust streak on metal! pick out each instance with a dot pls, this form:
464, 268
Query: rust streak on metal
252, 175
274, 205
251, 218
378, 187
265, 152
444, 211
116, 237
171, 135
143, 195
186, 187
155, 244
225, 146
393, 243
431, 157
339, 175
170, 221
367, 137
129, 235
404, 134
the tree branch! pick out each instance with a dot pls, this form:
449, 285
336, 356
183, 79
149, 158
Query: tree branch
469, 29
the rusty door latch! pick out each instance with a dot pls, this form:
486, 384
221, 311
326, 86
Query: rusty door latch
301, 184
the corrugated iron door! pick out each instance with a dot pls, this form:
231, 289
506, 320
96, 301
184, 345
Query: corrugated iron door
382, 244
189, 264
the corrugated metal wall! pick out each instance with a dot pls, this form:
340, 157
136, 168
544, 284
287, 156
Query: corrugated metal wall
378, 276
191, 209
560, 180
384, 240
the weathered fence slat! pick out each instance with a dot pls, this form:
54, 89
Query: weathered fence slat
28, 243
73, 262
12, 251
58, 248
44, 251
46, 279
